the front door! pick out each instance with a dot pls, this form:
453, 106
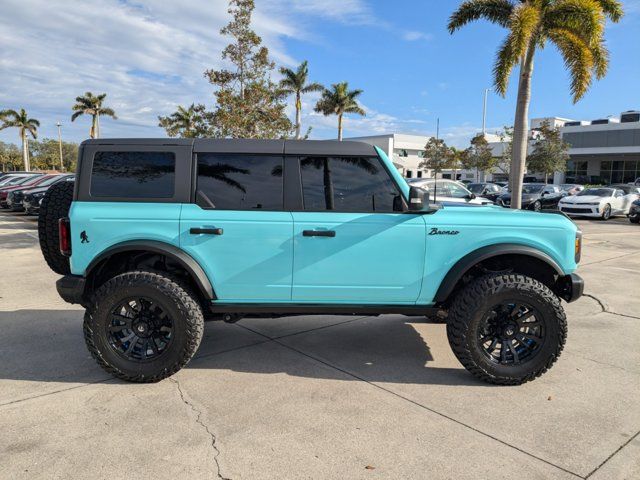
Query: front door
351, 243
237, 230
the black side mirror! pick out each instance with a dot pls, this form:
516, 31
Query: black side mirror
418, 199
471, 196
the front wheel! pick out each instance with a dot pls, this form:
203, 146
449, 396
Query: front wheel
143, 326
506, 329
537, 206
606, 212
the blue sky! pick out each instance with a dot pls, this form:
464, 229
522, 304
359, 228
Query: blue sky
149, 56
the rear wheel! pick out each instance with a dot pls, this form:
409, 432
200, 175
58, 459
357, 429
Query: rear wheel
55, 205
606, 212
506, 329
143, 326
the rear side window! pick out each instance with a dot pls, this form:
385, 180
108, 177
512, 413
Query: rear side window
133, 174
241, 182
347, 184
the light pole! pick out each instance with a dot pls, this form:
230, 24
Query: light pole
484, 111
58, 124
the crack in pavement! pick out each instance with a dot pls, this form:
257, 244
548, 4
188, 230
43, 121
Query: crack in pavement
186, 400
612, 455
605, 307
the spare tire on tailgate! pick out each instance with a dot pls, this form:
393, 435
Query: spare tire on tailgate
55, 205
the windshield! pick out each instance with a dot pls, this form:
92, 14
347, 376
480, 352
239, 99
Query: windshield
532, 188
597, 192
567, 186
476, 187
49, 181
24, 180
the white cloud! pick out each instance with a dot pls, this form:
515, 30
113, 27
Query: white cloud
413, 36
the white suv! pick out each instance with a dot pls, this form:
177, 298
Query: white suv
448, 191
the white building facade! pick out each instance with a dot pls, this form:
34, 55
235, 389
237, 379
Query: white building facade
405, 151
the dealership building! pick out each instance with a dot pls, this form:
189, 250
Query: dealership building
605, 150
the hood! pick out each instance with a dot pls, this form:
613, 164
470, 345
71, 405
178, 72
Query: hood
578, 199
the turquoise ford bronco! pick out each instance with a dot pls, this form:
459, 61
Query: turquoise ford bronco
156, 236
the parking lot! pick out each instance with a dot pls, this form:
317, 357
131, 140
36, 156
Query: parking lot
320, 396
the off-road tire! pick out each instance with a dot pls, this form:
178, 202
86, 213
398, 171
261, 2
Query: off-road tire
471, 304
180, 303
55, 205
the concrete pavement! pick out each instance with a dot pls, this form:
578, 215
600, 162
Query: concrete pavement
320, 396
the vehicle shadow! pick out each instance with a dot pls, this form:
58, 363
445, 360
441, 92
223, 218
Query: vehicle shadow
48, 346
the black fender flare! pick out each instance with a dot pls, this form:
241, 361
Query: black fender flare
171, 251
463, 265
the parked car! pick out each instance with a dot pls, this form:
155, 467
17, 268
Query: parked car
448, 190
33, 197
17, 172
535, 196
15, 197
23, 182
13, 179
601, 202
571, 188
634, 212
490, 191
158, 235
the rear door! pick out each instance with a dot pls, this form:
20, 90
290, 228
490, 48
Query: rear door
352, 243
237, 228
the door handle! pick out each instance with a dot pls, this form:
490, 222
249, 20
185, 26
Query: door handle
206, 231
318, 233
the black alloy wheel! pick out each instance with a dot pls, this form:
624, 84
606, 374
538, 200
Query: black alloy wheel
139, 329
511, 333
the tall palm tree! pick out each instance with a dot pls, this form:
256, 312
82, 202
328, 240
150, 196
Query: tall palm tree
339, 100
25, 126
576, 27
90, 104
295, 83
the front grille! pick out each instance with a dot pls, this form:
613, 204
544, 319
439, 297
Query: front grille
576, 210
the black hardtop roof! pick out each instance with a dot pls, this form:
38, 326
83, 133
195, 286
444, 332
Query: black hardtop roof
223, 145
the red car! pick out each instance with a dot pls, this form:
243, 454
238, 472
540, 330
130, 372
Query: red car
28, 182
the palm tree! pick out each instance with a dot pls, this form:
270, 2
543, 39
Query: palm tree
25, 125
90, 104
295, 82
185, 122
338, 101
576, 27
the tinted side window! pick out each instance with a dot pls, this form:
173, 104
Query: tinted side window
133, 174
241, 182
347, 184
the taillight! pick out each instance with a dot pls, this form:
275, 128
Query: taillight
64, 234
